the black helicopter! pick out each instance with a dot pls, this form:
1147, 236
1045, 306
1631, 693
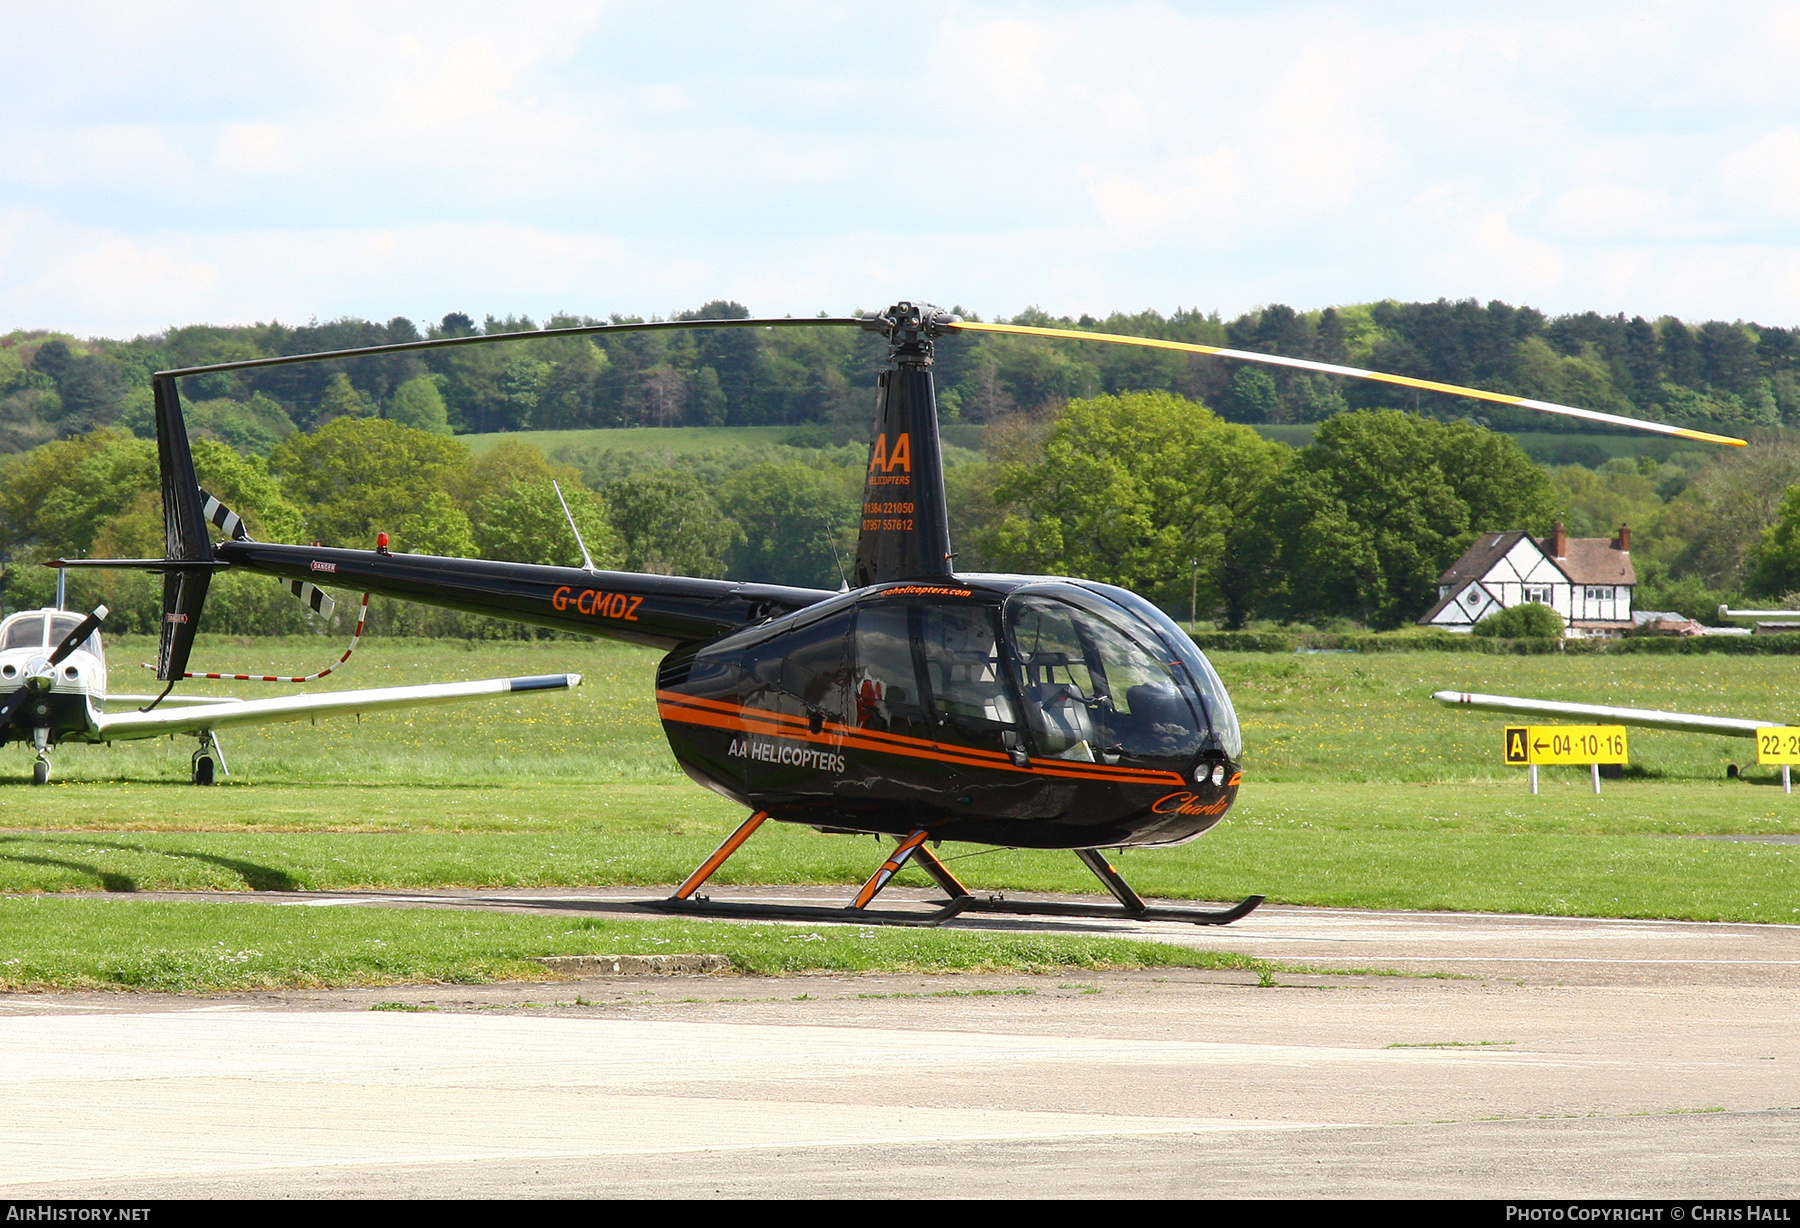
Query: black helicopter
922, 703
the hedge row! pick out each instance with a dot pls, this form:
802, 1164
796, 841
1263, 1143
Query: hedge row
1289, 641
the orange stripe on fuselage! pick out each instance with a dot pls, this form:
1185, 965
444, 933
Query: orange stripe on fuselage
716, 714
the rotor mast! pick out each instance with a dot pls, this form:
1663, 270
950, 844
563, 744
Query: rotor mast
905, 521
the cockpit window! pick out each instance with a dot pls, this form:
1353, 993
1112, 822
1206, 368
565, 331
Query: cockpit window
960, 645
62, 624
25, 632
1095, 687
1212, 689
884, 687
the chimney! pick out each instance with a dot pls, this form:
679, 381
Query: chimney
1559, 541
1623, 540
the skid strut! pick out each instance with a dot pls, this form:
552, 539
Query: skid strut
913, 848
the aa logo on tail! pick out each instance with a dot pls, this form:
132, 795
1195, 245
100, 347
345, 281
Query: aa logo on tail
900, 459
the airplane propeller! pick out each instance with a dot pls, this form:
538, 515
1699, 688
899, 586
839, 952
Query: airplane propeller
39, 677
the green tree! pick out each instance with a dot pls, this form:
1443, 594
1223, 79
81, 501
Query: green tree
418, 403
791, 516
1776, 562
359, 476
243, 484
1370, 514
60, 495
1533, 620
256, 425
1129, 489
524, 523
1253, 397
1714, 528
343, 399
671, 526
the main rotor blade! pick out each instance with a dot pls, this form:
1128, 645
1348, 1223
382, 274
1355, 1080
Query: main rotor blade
585, 330
1327, 368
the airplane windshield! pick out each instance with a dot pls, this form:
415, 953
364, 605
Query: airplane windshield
1096, 685
62, 624
24, 632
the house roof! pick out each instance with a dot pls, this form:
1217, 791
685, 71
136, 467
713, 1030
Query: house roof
1479, 559
1592, 560
1587, 560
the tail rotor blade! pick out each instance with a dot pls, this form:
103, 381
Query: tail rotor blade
1327, 368
312, 596
224, 517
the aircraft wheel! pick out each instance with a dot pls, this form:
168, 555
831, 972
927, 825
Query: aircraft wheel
203, 769
40, 772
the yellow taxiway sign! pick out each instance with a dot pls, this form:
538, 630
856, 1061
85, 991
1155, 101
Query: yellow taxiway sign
1532, 744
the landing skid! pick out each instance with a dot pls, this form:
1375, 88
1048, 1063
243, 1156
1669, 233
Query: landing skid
962, 901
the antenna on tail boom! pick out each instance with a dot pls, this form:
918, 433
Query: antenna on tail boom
587, 560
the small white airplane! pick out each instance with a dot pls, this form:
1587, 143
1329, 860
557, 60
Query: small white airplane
55, 665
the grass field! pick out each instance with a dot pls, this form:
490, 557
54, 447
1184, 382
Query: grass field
1359, 792
199, 947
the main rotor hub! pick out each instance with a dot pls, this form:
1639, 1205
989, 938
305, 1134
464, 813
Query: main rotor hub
910, 329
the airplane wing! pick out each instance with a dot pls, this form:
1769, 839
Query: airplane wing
124, 726
1681, 722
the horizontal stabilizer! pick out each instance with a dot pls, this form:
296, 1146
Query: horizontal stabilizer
1649, 718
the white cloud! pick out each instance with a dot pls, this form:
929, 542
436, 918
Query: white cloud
1606, 210
1492, 252
331, 158
57, 276
255, 148
1766, 173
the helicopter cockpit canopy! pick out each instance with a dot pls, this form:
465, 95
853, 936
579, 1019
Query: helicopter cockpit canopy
1100, 680
1052, 668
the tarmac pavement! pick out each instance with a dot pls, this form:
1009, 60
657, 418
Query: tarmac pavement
1538, 1057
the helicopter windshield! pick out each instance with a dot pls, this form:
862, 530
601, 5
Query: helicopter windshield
1219, 709
1097, 684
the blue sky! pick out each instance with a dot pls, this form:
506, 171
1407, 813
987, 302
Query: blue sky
166, 164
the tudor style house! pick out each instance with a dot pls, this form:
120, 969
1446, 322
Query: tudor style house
1588, 580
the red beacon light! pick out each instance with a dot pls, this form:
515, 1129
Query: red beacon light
381, 545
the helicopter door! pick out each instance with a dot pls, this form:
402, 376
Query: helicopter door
888, 699
970, 701
803, 673
885, 682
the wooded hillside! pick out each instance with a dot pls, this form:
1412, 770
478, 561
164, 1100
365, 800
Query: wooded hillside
1712, 374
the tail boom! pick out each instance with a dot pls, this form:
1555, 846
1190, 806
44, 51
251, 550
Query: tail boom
659, 611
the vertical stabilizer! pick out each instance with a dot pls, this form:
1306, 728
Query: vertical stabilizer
905, 523
185, 536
